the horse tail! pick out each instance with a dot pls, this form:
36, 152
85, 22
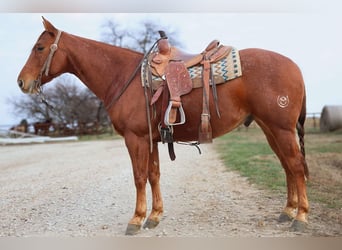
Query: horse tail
301, 132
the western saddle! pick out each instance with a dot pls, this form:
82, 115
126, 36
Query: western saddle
171, 64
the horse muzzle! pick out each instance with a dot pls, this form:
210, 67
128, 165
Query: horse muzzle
32, 88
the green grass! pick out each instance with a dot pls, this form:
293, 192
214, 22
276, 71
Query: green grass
104, 136
249, 154
252, 158
333, 148
325, 142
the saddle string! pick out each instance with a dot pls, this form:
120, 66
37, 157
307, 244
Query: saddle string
213, 87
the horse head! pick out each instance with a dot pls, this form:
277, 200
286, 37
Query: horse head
45, 62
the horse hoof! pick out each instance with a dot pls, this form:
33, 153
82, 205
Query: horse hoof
150, 224
284, 217
132, 229
298, 226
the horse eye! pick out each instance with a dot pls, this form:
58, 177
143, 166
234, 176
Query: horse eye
40, 48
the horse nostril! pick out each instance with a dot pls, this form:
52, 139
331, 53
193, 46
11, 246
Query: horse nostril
21, 83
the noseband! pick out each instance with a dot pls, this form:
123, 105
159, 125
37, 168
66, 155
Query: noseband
46, 66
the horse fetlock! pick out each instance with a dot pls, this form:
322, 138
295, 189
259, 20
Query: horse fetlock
302, 217
288, 214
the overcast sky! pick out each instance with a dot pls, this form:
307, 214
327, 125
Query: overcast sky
312, 39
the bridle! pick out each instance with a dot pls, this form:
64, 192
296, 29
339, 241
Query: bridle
37, 84
46, 66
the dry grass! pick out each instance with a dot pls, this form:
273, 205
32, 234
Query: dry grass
324, 156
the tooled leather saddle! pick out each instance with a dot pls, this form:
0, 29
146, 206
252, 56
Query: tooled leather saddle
171, 64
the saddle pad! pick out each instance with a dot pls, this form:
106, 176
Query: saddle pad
228, 68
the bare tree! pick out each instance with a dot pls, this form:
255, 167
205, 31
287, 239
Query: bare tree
141, 38
29, 106
113, 33
72, 105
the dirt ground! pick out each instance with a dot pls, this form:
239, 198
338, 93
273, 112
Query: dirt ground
87, 189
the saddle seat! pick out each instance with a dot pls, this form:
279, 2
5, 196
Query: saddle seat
188, 59
160, 60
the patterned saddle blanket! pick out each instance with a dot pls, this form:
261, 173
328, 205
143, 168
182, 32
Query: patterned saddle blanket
228, 68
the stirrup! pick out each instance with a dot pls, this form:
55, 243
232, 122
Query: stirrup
167, 115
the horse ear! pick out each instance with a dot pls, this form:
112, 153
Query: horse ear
48, 26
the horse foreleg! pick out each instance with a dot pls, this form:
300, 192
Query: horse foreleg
138, 149
153, 177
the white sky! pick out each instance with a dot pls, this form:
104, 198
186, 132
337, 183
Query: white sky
313, 39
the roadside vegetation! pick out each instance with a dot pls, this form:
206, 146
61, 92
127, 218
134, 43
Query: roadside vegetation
247, 152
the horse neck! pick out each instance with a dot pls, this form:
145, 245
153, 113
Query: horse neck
101, 67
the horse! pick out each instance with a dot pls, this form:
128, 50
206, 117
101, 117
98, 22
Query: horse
22, 127
271, 90
42, 128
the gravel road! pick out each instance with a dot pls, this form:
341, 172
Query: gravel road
87, 189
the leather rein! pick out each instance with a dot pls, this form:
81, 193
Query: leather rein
125, 86
127, 83
46, 68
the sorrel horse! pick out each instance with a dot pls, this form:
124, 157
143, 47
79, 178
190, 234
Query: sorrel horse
271, 90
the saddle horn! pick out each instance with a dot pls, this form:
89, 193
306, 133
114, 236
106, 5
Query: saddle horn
162, 34
163, 45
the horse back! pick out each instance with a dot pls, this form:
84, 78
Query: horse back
271, 88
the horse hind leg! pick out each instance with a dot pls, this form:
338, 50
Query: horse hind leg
291, 206
288, 213
284, 144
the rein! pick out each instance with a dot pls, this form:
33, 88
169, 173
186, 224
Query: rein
127, 83
115, 98
46, 68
